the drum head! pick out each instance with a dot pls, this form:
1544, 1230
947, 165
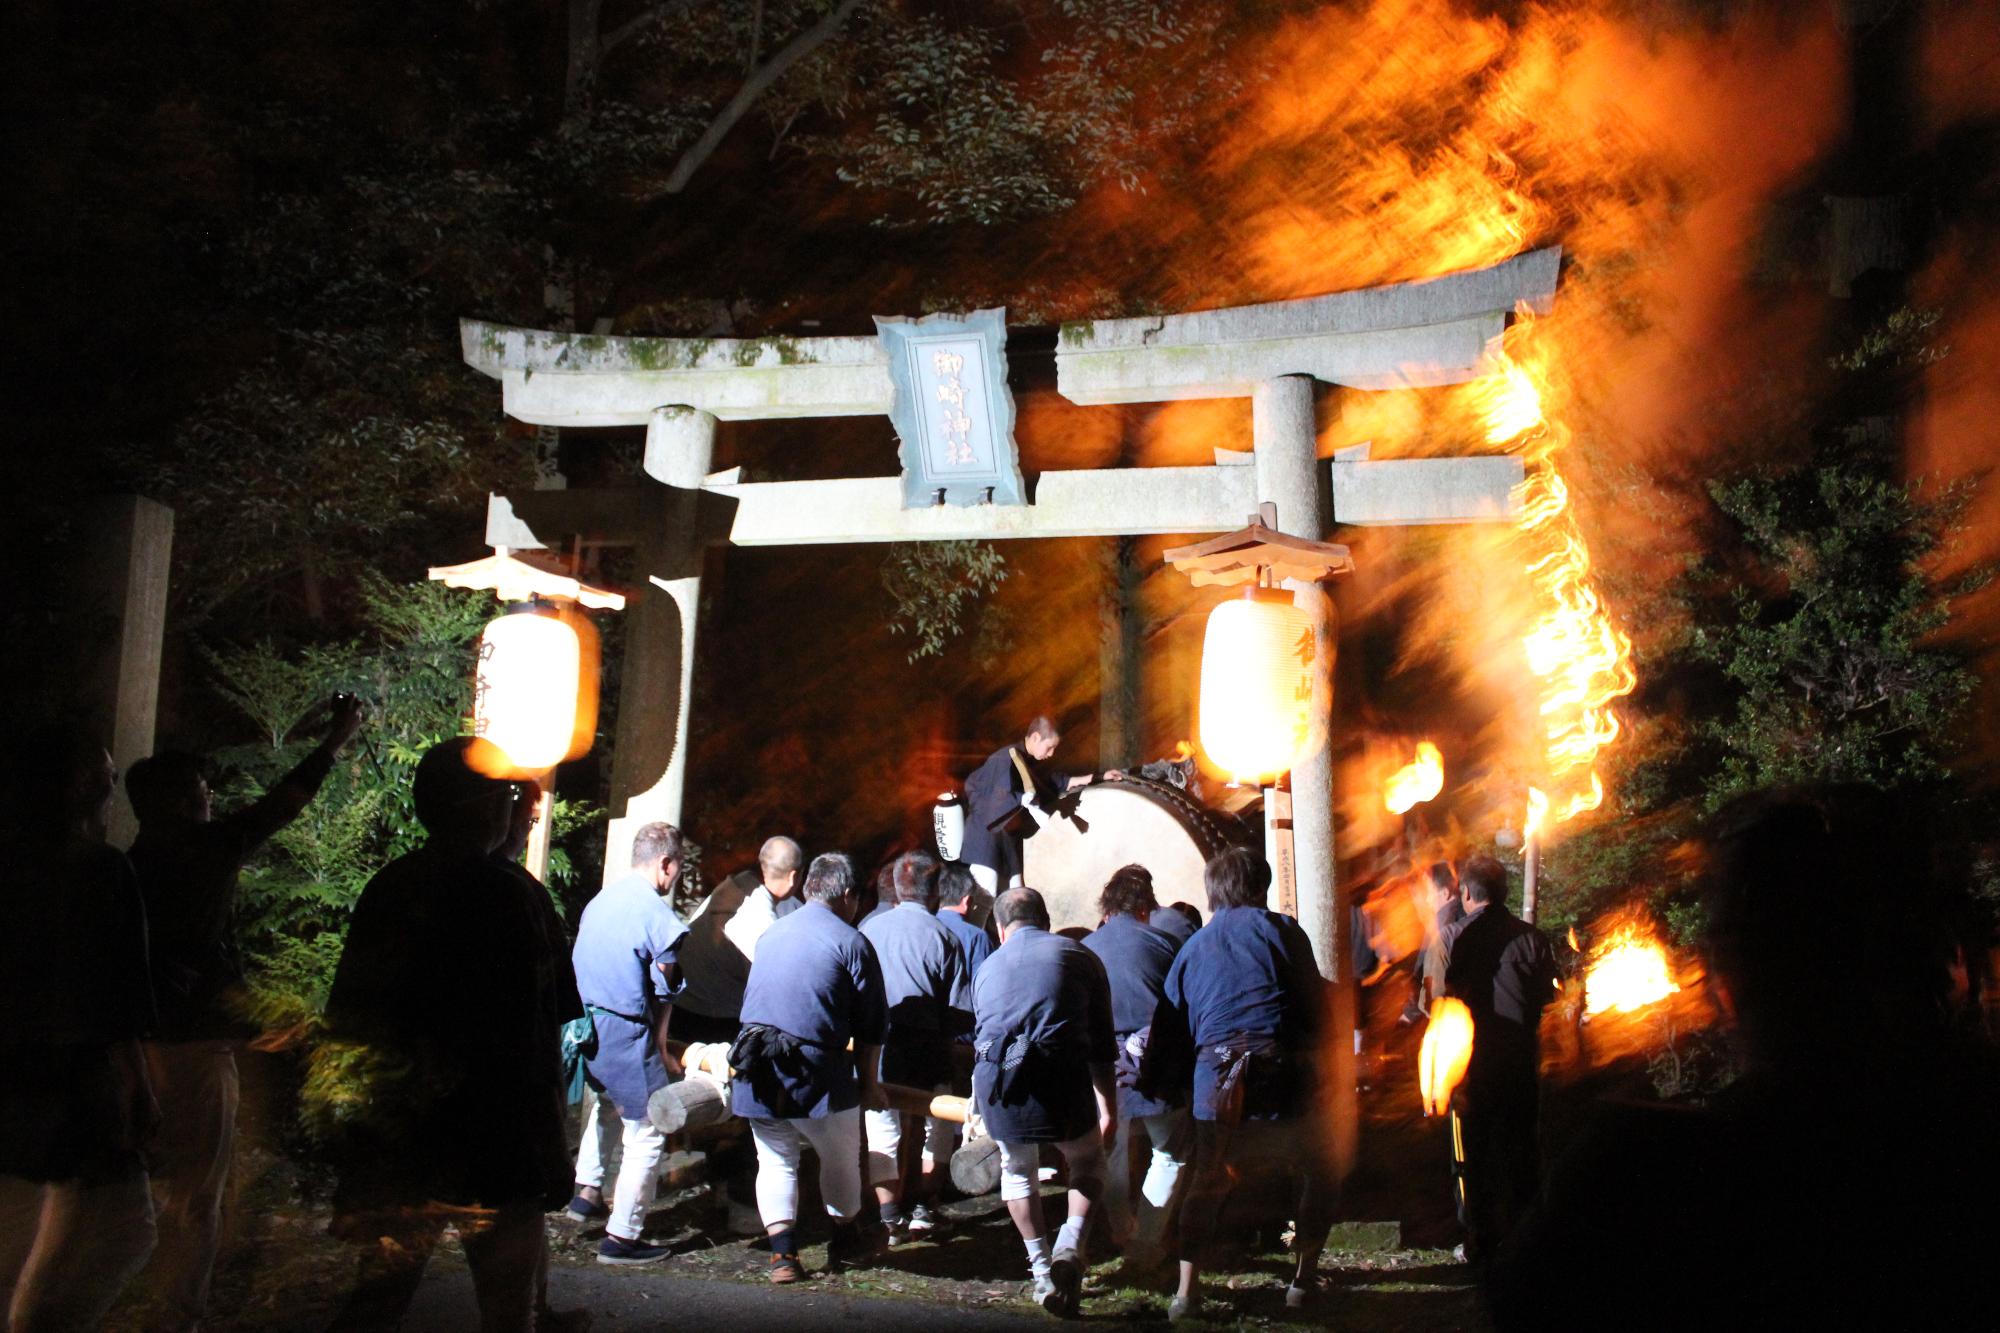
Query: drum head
1128, 822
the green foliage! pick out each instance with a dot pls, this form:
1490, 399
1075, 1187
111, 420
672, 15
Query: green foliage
1828, 644
969, 140
933, 586
411, 667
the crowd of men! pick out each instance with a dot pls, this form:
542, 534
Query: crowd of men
1151, 1069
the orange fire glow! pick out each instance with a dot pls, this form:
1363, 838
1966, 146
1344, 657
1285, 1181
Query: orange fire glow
1445, 1054
1414, 783
1580, 659
1628, 972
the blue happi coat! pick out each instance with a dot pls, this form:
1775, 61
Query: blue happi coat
627, 941
1136, 959
1042, 1007
817, 982
1248, 979
928, 989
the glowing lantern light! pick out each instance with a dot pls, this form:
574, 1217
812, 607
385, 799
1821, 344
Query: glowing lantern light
1256, 685
535, 697
1416, 782
1445, 1054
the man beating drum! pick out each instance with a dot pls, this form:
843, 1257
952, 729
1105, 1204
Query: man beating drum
1008, 797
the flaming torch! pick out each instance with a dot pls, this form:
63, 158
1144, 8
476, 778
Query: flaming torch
1580, 660
1415, 782
1531, 852
1629, 972
1445, 1054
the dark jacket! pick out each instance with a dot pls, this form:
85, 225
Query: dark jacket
1504, 970
188, 873
444, 1008
995, 824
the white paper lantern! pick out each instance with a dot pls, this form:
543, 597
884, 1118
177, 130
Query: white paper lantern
530, 680
1256, 685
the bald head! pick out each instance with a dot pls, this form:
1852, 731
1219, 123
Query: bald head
778, 862
1019, 907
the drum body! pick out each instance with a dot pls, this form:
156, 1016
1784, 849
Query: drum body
1124, 822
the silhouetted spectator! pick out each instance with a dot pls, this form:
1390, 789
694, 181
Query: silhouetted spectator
1248, 993
188, 861
1845, 1179
450, 1076
1504, 971
76, 1216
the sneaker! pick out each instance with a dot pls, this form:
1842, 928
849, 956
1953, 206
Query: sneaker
856, 1246
786, 1269
583, 1210
922, 1220
1048, 1295
1298, 1297
618, 1250
1066, 1271
1183, 1307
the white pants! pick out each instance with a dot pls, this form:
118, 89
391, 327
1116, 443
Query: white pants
67, 1249
1021, 1164
987, 878
835, 1140
190, 1158
1171, 1135
638, 1171
885, 1143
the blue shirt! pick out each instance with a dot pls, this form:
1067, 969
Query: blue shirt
1248, 971
816, 979
1174, 925
928, 990
974, 940
1136, 958
626, 936
1043, 1007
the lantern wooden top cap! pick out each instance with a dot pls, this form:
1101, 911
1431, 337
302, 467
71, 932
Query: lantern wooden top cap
1237, 557
515, 578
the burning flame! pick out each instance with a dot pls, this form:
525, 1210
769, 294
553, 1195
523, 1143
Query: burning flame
1629, 972
1538, 812
1581, 661
1415, 782
1445, 1054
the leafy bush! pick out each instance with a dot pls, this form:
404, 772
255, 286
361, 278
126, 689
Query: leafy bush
411, 667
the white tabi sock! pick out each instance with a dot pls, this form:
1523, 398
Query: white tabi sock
1071, 1235
1038, 1255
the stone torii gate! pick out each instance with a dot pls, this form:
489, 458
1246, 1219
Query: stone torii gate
1437, 331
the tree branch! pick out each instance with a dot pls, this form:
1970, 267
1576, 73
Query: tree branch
753, 88
638, 23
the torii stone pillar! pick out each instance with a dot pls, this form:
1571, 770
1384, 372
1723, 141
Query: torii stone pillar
1285, 444
1435, 331
649, 766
